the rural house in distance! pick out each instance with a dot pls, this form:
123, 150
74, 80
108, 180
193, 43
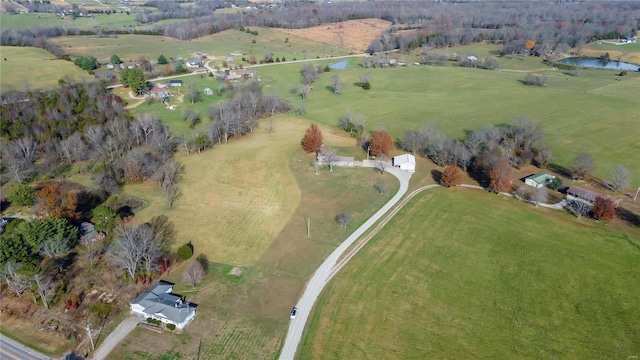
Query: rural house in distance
161, 304
539, 180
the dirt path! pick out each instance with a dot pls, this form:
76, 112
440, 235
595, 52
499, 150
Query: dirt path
135, 104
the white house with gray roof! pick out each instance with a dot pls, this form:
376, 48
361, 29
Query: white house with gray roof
161, 304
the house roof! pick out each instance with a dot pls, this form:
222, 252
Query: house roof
540, 178
157, 89
584, 194
175, 81
403, 159
159, 301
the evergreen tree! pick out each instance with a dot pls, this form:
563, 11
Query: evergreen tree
162, 60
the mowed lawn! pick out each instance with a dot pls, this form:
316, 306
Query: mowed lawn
546, 286
595, 112
29, 68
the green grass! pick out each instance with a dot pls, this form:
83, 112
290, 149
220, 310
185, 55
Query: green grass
247, 317
29, 68
591, 113
219, 45
550, 287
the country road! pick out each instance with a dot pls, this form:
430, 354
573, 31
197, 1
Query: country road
12, 350
325, 271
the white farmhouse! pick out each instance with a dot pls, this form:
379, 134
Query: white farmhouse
160, 304
405, 162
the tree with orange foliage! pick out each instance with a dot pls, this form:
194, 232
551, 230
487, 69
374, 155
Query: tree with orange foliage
604, 208
53, 201
500, 176
529, 44
312, 140
451, 176
381, 143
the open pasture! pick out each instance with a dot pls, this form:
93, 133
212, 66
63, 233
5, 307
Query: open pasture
592, 113
354, 36
219, 45
550, 287
27, 68
247, 316
626, 52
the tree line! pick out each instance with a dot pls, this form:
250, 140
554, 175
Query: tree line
548, 27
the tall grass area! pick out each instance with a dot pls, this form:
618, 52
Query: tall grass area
28, 68
547, 286
592, 113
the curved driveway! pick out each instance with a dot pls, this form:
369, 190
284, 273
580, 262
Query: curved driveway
324, 273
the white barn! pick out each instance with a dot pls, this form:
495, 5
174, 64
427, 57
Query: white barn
405, 162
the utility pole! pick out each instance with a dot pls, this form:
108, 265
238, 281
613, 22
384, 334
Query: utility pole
636, 196
88, 328
308, 227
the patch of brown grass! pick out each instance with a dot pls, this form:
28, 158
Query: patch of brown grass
353, 35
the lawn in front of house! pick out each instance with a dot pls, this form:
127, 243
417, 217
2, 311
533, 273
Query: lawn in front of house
449, 278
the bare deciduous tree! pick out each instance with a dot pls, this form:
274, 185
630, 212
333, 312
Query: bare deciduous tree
16, 282
582, 166
91, 252
521, 193
539, 195
382, 188
579, 208
194, 273
134, 247
45, 286
381, 163
336, 84
343, 219
172, 194
329, 157
620, 178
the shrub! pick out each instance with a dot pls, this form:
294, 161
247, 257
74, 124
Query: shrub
21, 195
185, 252
366, 86
171, 327
536, 80
604, 208
100, 309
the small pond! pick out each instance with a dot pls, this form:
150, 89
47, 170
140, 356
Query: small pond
600, 64
340, 65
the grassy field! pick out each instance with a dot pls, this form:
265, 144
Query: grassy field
28, 68
592, 113
550, 287
238, 197
219, 45
626, 52
247, 316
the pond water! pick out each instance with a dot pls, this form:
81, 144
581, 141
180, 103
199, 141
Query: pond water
340, 65
600, 64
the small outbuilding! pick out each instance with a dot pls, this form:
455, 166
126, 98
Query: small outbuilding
581, 194
175, 82
405, 162
539, 180
208, 91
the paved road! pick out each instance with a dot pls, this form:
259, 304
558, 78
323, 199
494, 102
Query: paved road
324, 273
12, 350
126, 326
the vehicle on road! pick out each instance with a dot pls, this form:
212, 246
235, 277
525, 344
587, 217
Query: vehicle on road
294, 313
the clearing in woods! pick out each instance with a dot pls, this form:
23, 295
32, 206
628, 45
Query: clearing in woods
354, 36
27, 68
552, 286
